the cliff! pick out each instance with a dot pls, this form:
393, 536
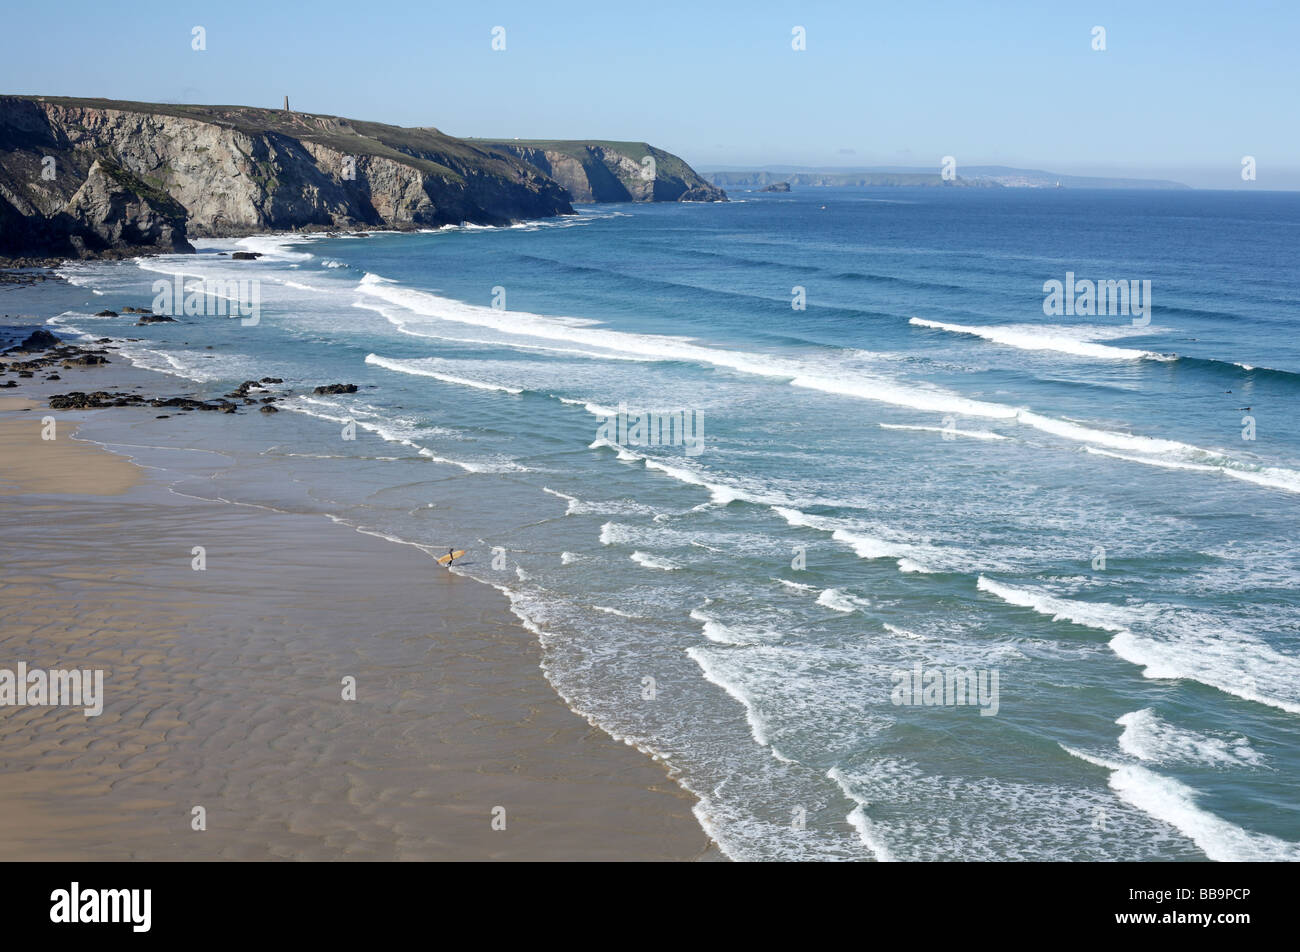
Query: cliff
601, 171
90, 177
168, 172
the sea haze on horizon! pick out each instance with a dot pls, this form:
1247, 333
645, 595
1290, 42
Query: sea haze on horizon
921, 468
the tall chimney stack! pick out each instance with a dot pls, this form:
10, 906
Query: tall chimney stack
286, 103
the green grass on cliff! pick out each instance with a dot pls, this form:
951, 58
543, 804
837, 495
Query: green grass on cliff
426, 149
150, 191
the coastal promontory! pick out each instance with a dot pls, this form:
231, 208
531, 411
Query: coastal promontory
95, 177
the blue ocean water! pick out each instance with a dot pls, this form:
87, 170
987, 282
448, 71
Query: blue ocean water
917, 472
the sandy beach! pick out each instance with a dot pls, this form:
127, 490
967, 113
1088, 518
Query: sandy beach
224, 687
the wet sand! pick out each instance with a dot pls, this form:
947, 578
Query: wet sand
224, 689
31, 463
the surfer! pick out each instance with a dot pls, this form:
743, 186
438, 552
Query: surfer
451, 556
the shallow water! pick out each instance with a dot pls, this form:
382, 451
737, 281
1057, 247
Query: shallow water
920, 468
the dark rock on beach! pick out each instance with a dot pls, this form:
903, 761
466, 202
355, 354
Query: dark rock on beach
40, 339
78, 400
245, 256
85, 360
154, 319
335, 388
24, 276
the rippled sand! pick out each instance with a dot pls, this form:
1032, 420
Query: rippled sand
223, 690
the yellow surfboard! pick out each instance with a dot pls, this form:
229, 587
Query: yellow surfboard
446, 559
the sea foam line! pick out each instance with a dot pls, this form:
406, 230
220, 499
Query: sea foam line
424, 305
1238, 665
412, 367
1028, 337
1175, 803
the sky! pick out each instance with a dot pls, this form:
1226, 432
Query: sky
1183, 90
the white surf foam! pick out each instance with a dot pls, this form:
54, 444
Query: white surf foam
1063, 340
714, 674
416, 308
1091, 615
1169, 642
1147, 737
972, 434
625, 454
841, 601
612, 611
1175, 803
867, 546
859, 821
420, 369
654, 562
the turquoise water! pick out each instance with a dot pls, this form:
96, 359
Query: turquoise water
919, 468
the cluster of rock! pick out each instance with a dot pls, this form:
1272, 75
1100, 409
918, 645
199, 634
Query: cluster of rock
30, 275
50, 351
146, 316
53, 352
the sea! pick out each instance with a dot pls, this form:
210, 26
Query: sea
817, 497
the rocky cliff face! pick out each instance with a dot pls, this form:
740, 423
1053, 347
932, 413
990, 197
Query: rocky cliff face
234, 171
614, 171
114, 209
88, 177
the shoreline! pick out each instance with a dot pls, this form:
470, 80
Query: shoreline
477, 723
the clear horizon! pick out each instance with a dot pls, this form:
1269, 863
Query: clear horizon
1182, 92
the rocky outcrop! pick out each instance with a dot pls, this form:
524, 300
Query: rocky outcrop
114, 209
68, 165
614, 171
94, 177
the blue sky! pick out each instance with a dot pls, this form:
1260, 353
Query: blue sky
1183, 89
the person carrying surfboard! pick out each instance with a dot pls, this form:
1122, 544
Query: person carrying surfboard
451, 556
